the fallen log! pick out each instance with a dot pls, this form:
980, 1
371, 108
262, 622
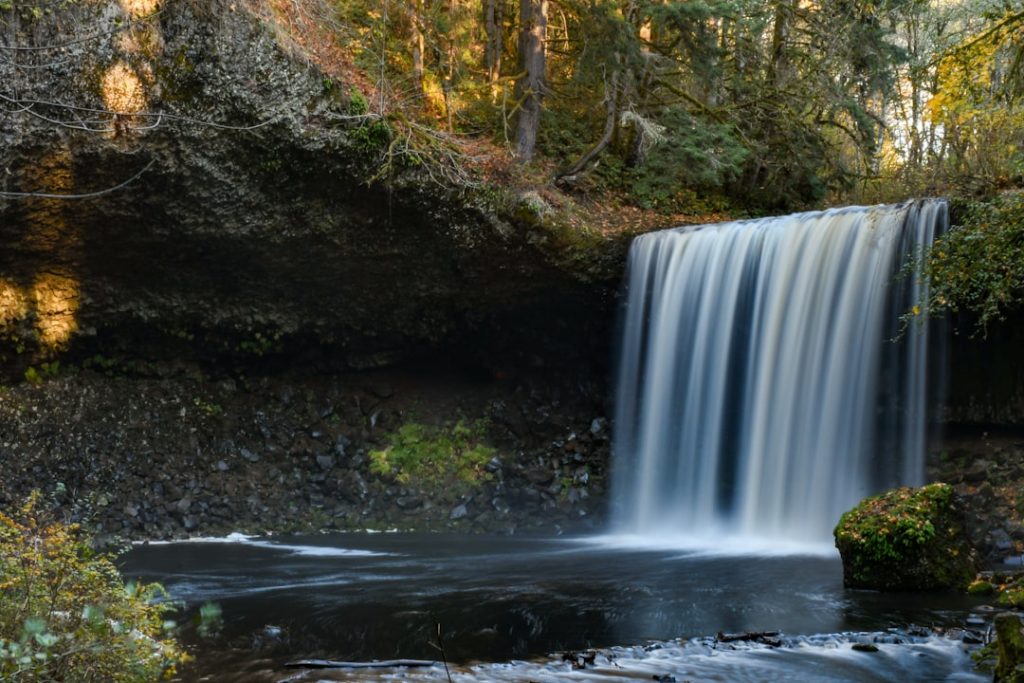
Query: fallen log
331, 664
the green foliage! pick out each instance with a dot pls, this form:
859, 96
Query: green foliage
976, 102
66, 615
887, 526
207, 408
740, 102
209, 620
696, 158
44, 372
978, 266
980, 587
1013, 597
261, 343
101, 363
35, 10
371, 136
985, 658
357, 103
448, 459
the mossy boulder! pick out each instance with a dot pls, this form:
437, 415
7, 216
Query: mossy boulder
906, 539
1009, 649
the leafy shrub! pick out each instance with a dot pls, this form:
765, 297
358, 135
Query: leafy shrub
66, 615
695, 158
449, 459
371, 136
357, 103
978, 266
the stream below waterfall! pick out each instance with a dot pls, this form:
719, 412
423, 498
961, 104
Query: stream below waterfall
506, 603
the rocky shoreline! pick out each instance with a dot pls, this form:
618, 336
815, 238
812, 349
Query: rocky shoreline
182, 450
986, 468
185, 455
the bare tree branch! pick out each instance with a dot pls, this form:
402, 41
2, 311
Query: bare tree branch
88, 195
21, 102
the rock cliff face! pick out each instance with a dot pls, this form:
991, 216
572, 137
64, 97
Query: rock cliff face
248, 225
985, 384
223, 225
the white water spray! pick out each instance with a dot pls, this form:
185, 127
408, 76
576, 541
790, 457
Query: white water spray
759, 392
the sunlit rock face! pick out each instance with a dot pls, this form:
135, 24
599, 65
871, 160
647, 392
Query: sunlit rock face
123, 90
13, 303
56, 302
231, 206
139, 8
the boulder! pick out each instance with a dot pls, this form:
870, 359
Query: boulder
906, 539
1009, 649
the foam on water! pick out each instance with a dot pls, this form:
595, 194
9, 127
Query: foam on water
817, 659
703, 545
262, 542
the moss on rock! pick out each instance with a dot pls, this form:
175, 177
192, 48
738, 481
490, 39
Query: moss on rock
1009, 649
1011, 597
906, 539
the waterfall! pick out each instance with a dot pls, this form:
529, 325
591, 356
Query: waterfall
759, 389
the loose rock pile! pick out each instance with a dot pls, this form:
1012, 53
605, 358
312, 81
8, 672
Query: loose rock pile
188, 455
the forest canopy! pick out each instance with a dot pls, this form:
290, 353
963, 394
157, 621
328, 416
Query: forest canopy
683, 105
634, 114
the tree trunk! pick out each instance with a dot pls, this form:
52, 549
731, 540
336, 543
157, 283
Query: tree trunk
448, 84
611, 97
780, 67
494, 19
533, 23
417, 47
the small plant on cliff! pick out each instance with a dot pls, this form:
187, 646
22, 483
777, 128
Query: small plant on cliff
451, 458
45, 371
66, 615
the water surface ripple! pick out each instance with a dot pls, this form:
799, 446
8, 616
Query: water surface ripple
361, 597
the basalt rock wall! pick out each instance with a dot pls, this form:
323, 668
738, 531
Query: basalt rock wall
248, 223
984, 384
